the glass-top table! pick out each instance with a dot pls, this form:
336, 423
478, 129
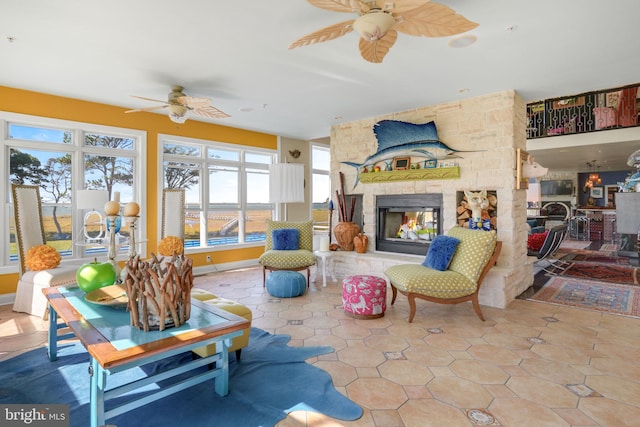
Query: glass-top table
114, 346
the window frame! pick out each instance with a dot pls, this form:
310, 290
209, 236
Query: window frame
320, 227
78, 150
244, 167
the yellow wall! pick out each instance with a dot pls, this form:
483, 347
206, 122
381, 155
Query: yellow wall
39, 104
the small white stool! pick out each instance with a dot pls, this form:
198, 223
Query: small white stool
325, 256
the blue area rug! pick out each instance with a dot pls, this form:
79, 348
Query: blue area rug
270, 380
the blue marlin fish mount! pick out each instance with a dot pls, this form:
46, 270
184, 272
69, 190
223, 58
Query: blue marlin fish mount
396, 139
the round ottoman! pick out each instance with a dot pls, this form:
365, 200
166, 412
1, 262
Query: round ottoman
286, 284
364, 297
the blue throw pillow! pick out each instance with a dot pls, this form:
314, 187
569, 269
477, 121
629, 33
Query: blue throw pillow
441, 252
286, 239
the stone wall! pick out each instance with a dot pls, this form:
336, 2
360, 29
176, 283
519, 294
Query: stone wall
486, 130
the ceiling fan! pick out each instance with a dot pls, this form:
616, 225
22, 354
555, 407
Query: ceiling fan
180, 104
379, 22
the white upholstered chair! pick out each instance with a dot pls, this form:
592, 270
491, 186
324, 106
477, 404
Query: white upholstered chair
172, 213
29, 231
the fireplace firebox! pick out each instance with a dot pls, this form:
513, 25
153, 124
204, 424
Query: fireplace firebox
406, 223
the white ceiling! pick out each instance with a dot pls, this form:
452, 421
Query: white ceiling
236, 53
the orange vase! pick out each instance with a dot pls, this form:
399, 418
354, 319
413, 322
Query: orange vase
345, 232
360, 242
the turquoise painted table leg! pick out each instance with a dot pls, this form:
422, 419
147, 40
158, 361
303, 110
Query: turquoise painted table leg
222, 381
96, 395
53, 334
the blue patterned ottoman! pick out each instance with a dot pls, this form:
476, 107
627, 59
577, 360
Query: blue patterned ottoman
286, 284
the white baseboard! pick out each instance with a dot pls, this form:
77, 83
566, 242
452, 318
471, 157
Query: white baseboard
6, 299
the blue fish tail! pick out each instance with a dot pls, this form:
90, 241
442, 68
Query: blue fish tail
357, 166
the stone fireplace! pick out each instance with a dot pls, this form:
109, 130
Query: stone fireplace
406, 223
487, 130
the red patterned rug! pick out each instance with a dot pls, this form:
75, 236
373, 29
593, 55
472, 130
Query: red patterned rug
603, 272
597, 258
603, 297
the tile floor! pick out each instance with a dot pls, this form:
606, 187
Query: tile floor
531, 364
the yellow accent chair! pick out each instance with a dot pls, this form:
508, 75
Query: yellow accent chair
475, 254
29, 232
298, 259
238, 309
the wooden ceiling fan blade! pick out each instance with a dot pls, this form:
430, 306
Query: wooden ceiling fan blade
350, 6
400, 6
149, 99
137, 110
375, 51
325, 34
194, 102
210, 112
433, 20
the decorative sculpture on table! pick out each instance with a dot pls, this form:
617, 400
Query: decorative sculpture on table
112, 209
130, 214
95, 275
159, 291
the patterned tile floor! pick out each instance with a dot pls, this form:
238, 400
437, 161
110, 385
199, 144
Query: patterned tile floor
532, 364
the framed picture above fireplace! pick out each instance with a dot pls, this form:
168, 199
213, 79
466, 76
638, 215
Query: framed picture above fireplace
401, 163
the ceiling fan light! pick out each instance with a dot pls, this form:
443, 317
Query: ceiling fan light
177, 113
374, 25
463, 41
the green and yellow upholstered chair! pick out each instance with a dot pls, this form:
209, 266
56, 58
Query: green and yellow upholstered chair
39, 263
283, 251
453, 271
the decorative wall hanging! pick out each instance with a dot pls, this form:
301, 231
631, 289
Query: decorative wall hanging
526, 168
399, 141
522, 183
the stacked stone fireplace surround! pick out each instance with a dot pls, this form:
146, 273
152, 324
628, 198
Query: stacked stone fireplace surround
486, 130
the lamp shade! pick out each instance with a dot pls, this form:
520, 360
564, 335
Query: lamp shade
533, 192
91, 199
286, 183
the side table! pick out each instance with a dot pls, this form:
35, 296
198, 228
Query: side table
325, 256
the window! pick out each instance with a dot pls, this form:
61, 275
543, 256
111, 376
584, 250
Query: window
227, 190
63, 157
321, 186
